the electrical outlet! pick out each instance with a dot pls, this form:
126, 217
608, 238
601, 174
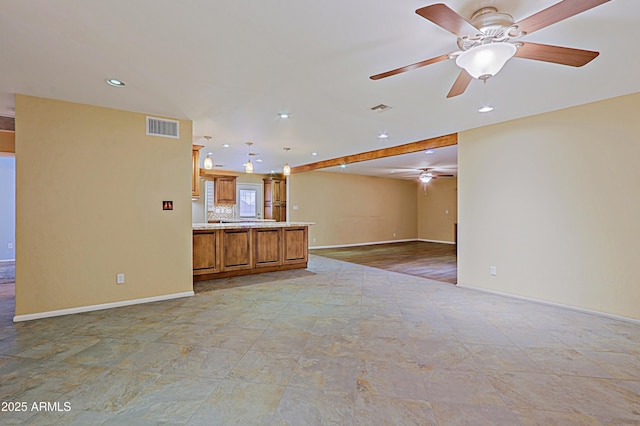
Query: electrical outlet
314, 240
120, 279
10, 246
394, 234
493, 270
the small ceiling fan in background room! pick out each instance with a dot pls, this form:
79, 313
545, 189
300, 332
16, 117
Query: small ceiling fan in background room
427, 175
490, 38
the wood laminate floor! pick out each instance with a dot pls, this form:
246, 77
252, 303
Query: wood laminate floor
428, 260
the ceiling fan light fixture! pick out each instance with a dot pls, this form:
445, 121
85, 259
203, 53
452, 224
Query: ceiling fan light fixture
486, 60
425, 177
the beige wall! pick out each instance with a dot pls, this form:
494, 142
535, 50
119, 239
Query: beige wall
352, 209
438, 210
552, 201
90, 186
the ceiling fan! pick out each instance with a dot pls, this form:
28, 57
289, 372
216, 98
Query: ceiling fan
490, 38
427, 175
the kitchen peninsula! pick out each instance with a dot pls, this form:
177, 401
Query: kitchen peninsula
223, 250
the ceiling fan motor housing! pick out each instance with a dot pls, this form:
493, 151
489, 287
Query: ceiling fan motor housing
493, 26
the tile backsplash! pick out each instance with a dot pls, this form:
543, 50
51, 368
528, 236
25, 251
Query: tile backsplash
220, 211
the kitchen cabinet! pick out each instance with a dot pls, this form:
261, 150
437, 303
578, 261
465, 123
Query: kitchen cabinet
230, 249
195, 171
295, 245
275, 199
224, 190
267, 247
236, 250
205, 252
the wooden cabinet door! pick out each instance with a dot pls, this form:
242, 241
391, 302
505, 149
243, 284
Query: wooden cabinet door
224, 191
236, 249
205, 252
280, 213
295, 245
275, 199
277, 190
195, 170
267, 247
268, 191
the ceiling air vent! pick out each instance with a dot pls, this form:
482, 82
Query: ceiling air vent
380, 108
163, 127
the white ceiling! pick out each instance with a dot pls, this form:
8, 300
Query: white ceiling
232, 66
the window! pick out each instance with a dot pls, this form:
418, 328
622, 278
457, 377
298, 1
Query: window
247, 204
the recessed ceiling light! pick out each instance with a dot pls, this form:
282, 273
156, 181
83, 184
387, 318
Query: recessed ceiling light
314, 153
486, 108
225, 145
259, 160
383, 135
429, 151
343, 166
115, 82
283, 115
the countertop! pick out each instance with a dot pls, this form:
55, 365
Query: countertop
206, 226
243, 220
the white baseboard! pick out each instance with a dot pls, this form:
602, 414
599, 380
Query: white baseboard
555, 305
435, 241
363, 244
380, 242
90, 308
7, 260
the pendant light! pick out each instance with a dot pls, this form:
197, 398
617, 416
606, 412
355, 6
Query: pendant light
208, 162
248, 167
286, 170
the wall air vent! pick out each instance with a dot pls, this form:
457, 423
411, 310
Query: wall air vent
380, 108
163, 127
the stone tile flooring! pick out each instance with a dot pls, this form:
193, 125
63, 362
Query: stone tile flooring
335, 344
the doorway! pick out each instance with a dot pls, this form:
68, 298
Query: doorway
249, 196
7, 234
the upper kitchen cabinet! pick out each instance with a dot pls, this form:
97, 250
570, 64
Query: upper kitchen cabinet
275, 199
195, 171
224, 190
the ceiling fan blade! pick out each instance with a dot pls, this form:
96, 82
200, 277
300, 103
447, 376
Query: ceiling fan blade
441, 15
556, 13
460, 85
556, 54
410, 67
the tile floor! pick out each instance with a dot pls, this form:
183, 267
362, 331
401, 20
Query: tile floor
337, 344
